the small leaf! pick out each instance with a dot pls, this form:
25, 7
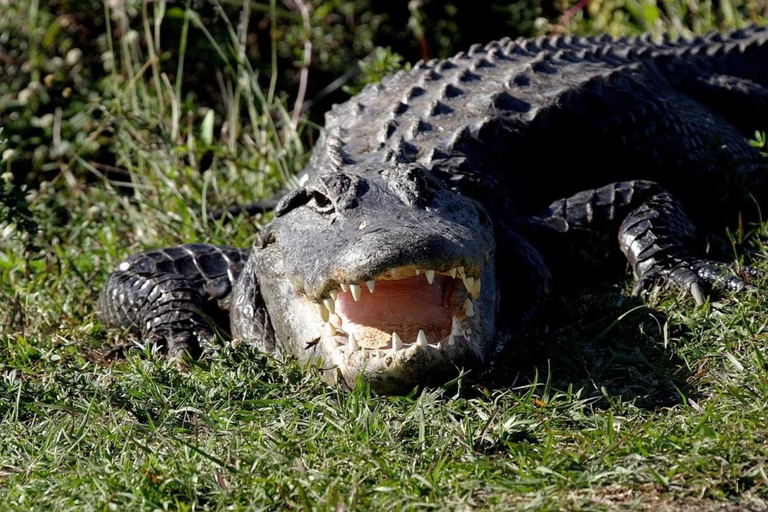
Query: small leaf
206, 128
736, 364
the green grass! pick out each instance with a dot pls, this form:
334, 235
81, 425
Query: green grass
620, 404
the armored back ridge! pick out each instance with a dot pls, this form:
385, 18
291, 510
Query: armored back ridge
439, 204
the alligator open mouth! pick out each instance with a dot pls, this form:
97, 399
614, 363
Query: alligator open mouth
402, 311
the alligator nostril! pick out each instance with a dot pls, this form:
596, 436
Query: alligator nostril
265, 237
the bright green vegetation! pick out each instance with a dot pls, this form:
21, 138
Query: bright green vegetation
621, 403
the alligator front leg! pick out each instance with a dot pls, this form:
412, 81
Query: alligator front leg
654, 233
657, 238
173, 297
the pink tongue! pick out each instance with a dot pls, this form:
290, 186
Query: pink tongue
404, 306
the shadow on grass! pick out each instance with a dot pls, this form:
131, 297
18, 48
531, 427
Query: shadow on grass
602, 341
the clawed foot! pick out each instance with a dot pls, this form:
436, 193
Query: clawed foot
176, 344
694, 276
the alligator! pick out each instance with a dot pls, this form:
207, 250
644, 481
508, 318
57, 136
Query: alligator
440, 206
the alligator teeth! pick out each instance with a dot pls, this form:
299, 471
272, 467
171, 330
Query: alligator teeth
421, 340
344, 287
330, 330
397, 343
418, 271
393, 271
476, 288
451, 340
335, 320
469, 283
455, 327
352, 345
334, 293
355, 291
453, 273
371, 285
330, 305
460, 270
469, 309
321, 309
430, 276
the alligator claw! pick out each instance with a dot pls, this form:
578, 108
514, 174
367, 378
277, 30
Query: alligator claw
694, 276
177, 343
117, 353
698, 295
120, 352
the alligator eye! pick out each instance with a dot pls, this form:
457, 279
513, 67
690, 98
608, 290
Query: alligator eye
314, 199
321, 203
413, 185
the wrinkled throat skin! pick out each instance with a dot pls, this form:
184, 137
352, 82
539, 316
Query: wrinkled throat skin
386, 275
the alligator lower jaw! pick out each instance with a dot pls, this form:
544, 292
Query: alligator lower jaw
406, 311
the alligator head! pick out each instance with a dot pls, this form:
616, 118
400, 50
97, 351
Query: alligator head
382, 273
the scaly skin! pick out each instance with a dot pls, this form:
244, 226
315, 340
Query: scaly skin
443, 175
168, 295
